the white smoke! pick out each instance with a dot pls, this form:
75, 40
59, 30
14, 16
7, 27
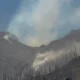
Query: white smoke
43, 58
39, 22
60, 57
41, 16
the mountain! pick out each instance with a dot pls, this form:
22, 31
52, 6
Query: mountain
2, 34
14, 53
10, 46
14, 56
73, 36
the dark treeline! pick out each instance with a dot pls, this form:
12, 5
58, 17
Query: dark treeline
25, 72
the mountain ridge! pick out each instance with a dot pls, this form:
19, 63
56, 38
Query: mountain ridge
22, 51
74, 35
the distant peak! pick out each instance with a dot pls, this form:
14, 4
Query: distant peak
6, 37
43, 45
76, 30
10, 37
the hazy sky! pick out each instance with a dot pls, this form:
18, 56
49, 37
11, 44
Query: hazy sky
38, 22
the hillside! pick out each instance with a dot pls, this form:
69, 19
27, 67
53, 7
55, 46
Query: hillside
68, 70
59, 44
14, 54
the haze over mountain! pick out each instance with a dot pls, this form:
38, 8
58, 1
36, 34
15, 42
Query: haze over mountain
57, 50
35, 34
11, 47
73, 36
